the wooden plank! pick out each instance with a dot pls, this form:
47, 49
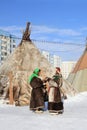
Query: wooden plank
11, 100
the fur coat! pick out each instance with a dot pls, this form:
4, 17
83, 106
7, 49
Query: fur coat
55, 103
37, 98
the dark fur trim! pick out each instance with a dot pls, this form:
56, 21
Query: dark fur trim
55, 106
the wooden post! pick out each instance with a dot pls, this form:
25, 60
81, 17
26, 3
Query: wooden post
11, 100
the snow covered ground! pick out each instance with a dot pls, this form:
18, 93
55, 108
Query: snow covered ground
21, 118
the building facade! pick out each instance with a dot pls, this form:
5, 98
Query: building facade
7, 45
67, 67
53, 59
56, 61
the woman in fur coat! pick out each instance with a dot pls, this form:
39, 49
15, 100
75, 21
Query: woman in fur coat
37, 98
55, 104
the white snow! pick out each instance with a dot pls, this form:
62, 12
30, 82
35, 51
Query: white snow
21, 118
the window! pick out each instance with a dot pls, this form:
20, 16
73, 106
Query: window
13, 46
2, 58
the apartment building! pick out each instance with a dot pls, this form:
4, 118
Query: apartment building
53, 59
67, 67
7, 45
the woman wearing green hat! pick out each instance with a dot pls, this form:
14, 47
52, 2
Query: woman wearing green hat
37, 98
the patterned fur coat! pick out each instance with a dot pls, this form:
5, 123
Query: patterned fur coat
55, 103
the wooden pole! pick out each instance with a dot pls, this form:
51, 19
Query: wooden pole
11, 100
